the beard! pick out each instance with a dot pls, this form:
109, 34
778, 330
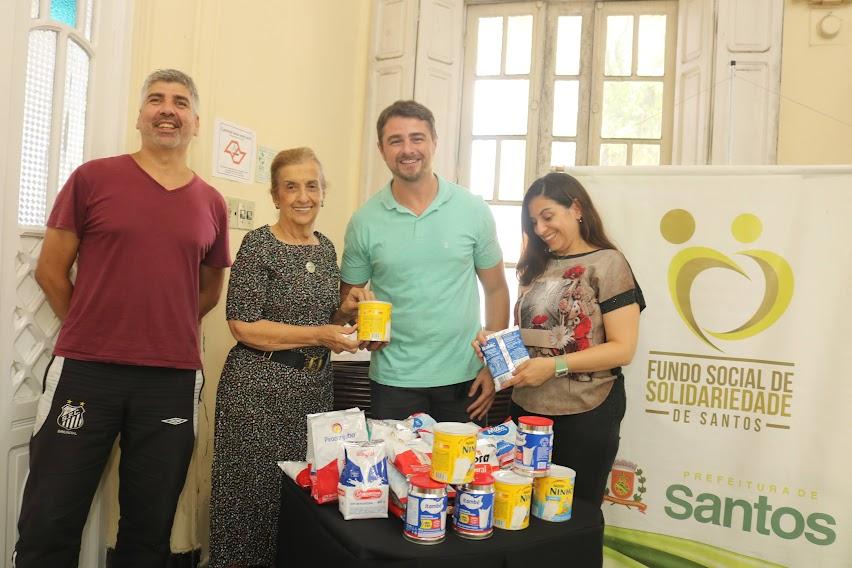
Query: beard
417, 175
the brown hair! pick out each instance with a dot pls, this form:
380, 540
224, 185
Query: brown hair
290, 157
407, 109
565, 190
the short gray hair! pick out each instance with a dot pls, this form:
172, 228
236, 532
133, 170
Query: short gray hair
172, 76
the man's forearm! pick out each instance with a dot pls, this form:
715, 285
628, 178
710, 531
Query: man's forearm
207, 300
497, 309
211, 282
58, 294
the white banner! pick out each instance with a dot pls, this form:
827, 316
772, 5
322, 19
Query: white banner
735, 450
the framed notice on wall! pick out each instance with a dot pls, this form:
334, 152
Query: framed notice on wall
233, 152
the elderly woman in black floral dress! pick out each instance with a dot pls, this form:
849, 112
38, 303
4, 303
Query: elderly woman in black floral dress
284, 310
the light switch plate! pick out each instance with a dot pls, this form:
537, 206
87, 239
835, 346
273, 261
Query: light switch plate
240, 213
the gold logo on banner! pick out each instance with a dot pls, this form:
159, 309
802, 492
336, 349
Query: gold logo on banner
677, 226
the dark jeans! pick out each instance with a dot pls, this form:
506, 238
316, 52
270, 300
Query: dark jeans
85, 405
587, 442
444, 404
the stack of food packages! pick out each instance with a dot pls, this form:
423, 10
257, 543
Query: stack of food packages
327, 431
409, 450
345, 466
367, 466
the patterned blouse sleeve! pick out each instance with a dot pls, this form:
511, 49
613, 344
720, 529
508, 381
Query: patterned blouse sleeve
617, 287
247, 285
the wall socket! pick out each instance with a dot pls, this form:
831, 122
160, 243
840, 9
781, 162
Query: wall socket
240, 213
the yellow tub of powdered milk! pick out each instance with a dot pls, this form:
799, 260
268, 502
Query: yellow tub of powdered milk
512, 498
374, 320
453, 452
553, 495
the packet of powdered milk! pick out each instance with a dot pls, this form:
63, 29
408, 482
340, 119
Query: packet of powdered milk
362, 491
398, 484
300, 472
503, 436
420, 421
503, 352
327, 431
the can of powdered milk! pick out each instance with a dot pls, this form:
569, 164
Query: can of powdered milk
426, 510
453, 452
473, 516
374, 320
553, 495
533, 446
512, 497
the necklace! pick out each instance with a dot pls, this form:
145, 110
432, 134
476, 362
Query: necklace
303, 248
305, 252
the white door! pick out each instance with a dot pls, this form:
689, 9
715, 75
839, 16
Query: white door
728, 82
57, 60
416, 53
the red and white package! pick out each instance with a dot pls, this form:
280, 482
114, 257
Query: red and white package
412, 457
398, 485
326, 433
300, 472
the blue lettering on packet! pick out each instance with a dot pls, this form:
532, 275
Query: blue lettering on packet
494, 357
515, 346
503, 351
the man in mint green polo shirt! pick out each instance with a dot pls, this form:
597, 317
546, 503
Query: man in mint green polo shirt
422, 242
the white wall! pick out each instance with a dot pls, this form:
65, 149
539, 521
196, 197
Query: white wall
816, 87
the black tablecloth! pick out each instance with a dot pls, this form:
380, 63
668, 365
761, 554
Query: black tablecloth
316, 535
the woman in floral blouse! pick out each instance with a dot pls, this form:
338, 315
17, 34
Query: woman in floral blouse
578, 309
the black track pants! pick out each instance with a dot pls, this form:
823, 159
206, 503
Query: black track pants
85, 405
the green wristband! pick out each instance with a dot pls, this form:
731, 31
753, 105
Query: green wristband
561, 366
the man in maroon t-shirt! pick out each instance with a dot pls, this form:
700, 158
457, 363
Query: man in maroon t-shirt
150, 239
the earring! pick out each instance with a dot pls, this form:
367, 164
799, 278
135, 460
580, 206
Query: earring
580, 220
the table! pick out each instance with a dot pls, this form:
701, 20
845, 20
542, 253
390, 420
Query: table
321, 536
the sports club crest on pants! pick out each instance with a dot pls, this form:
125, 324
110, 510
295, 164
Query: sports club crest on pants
71, 416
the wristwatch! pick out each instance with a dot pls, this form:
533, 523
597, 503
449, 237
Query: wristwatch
562, 369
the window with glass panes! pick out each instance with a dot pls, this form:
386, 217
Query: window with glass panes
59, 54
562, 83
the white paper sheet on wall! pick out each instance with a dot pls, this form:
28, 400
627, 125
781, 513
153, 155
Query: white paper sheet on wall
233, 152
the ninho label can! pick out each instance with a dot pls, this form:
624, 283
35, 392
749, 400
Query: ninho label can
553, 495
374, 320
473, 516
533, 446
425, 511
453, 452
512, 497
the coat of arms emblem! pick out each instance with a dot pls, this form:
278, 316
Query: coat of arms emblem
623, 490
71, 416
